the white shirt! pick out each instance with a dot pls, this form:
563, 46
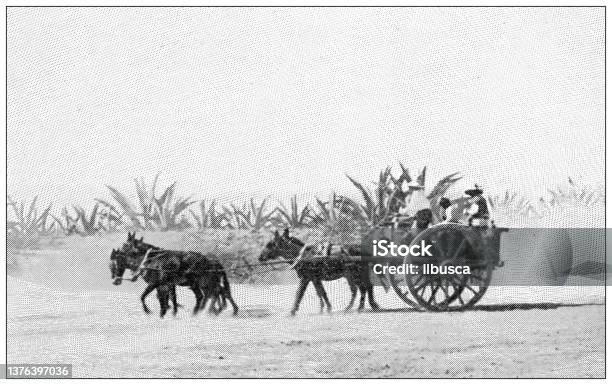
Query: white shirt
454, 213
414, 203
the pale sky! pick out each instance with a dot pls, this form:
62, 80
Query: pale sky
236, 102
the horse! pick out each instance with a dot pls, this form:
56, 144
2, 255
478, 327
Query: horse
320, 269
204, 275
120, 262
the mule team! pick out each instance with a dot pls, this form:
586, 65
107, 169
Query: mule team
204, 275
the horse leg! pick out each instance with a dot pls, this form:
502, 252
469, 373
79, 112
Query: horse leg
199, 296
231, 301
175, 304
373, 304
299, 294
162, 297
323, 294
353, 287
320, 295
205, 301
222, 301
145, 293
226, 293
362, 290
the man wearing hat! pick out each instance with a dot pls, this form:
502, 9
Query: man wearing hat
478, 211
416, 207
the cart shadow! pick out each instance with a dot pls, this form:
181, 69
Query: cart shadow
496, 307
530, 306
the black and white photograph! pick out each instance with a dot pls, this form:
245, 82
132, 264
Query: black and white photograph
306, 192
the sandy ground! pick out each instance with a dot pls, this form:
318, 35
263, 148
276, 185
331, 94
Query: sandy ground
106, 334
62, 308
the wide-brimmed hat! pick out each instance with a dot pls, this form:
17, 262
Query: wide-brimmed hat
474, 191
415, 186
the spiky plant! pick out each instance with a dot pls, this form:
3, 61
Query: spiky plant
576, 194
252, 216
28, 222
376, 201
66, 222
89, 222
149, 212
332, 216
82, 223
26, 226
294, 216
209, 218
510, 205
385, 199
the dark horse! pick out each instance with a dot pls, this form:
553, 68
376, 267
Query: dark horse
165, 269
322, 269
120, 262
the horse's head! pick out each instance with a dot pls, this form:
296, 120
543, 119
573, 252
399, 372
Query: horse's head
118, 264
281, 246
133, 245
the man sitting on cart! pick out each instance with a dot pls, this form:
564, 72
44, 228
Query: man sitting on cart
478, 211
472, 207
416, 212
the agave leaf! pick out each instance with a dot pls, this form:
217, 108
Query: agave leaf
405, 174
154, 186
166, 198
93, 216
421, 177
108, 205
125, 205
365, 193
32, 211
197, 219
443, 185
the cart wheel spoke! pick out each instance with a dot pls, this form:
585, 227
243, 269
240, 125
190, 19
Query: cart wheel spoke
471, 289
461, 299
440, 254
433, 294
419, 279
459, 249
445, 290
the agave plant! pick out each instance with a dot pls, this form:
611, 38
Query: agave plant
376, 202
66, 222
29, 222
251, 216
387, 196
334, 216
510, 205
149, 212
576, 194
209, 218
81, 223
294, 216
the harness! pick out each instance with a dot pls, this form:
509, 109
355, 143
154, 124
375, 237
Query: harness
151, 254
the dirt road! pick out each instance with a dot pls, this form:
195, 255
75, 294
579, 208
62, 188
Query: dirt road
105, 334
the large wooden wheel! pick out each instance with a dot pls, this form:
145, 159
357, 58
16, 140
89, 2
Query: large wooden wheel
397, 281
452, 245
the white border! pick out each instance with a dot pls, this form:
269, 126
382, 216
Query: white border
280, 3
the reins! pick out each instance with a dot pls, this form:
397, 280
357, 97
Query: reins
231, 269
141, 266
